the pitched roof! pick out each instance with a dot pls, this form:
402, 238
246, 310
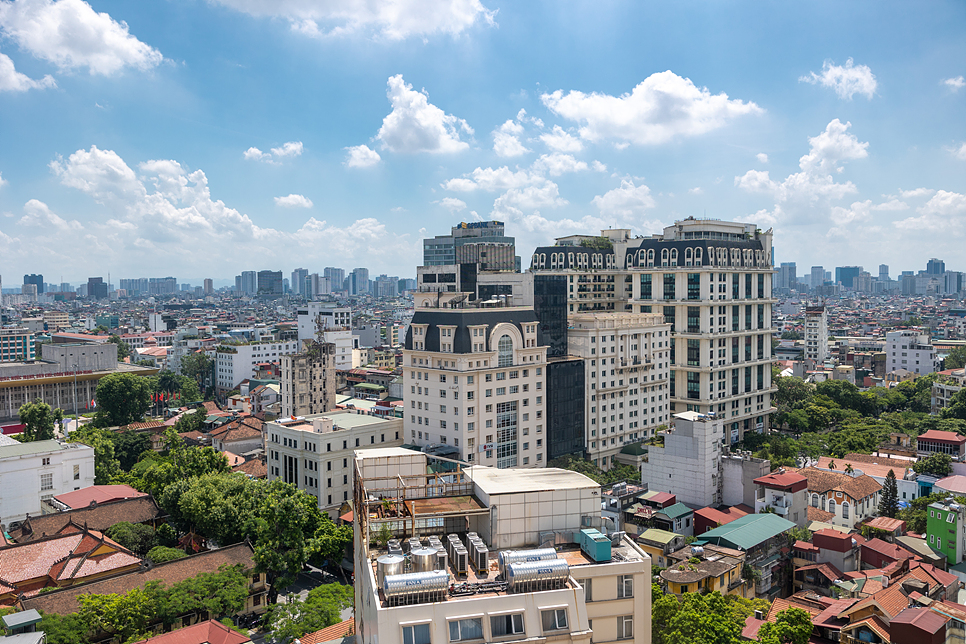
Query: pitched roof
822, 481
748, 531
334, 632
210, 632
887, 524
101, 493
940, 436
675, 511
827, 570
818, 514
139, 509
255, 468
64, 600
922, 618
887, 549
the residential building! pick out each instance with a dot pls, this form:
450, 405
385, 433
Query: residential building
359, 281
209, 286
945, 387
717, 569
16, 344
336, 277
626, 378
270, 283
712, 282
307, 380
946, 530
37, 280
100, 517
910, 349
316, 453
659, 544
685, 460
96, 288
238, 361
33, 473
298, 281
816, 334
933, 267
474, 379
55, 320
334, 323
817, 276
832, 546
936, 441
787, 275
785, 494
849, 499
594, 586
845, 275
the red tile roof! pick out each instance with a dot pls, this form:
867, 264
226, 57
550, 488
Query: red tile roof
922, 618
938, 436
210, 632
887, 524
140, 509
334, 632
789, 481
100, 493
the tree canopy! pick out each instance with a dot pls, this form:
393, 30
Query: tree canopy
939, 465
39, 421
956, 359
322, 607
123, 398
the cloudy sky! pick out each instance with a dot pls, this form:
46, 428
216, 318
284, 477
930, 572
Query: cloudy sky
201, 138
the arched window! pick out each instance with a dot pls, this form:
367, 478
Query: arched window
814, 500
845, 509
664, 256
650, 257
698, 257
674, 257
831, 506
505, 352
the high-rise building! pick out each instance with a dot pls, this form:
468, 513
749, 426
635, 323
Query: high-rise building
817, 276
248, 282
816, 334
386, 286
935, 266
270, 283
884, 272
35, 279
474, 380
441, 250
336, 277
787, 275
307, 380
711, 280
298, 281
845, 275
910, 350
359, 281
589, 586
16, 344
209, 286
96, 288
165, 286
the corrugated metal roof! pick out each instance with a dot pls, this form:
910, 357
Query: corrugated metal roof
36, 447
748, 531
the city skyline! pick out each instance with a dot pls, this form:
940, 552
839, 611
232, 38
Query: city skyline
198, 136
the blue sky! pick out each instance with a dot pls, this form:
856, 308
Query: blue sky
202, 138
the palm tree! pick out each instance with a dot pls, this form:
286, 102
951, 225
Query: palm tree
831, 465
848, 468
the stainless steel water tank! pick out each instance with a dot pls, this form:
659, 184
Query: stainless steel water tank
524, 575
389, 565
506, 557
417, 586
423, 559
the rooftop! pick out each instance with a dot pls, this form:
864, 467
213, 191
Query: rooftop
748, 531
37, 447
514, 481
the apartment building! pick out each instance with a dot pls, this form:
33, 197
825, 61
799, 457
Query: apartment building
315, 453
32, 473
816, 334
335, 326
685, 460
307, 380
237, 361
494, 555
16, 344
474, 379
56, 320
910, 350
626, 368
711, 281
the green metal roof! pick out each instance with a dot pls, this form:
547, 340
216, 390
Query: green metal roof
635, 449
676, 511
369, 385
35, 447
748, 531
658, 536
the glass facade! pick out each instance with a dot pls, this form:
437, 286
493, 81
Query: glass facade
565, 408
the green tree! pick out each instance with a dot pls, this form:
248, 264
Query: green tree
136, 537
160, 554
193, 422
123, 616
937, 464
889, 501
181, 463
188, 391
791, 335
123, 348
128, 447
199, 367
322, 607
123, 398
166, 536
791, 626
703, 619
956, 359
39, 421
957, 406
106, 465
64, 629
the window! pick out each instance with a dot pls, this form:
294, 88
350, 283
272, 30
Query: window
625, 586
418, 634
501, 625
505, 352
554, 620
46, 481
461, 630
625, 627
845, 510
814, 500
77, 472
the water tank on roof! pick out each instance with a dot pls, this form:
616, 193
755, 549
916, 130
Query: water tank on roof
416, 587
388, 565
507, 557
423, 559
528, 576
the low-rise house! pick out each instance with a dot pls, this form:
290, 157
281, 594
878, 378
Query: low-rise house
207, 632
944, 525
710, 518
817, 578
95, 495
885, 528
707, 568
659, 544
876, 553
936, 441
100, 517
761, 537
878, 467
239, 436
849, 498
677, 518
784, 493
33, 473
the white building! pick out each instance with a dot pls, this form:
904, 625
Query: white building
712, 282
626, 368
600, 593
816, 334
31, 473
910, 350
686, 459
315, 453
474, 379
336, 325
236, 362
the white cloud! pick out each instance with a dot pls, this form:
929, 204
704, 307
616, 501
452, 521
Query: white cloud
762, 157
561, 141
801, 194
36, 213
955, 84
452, 204
662, 107
360, 156
861, 211
918, 192
290, 149
597, 166
847, 80
558, 164
696, 191
960, 152
944, 214
390, 19
13, 81
515, 200
286, 150
506, 139
628, 200
491, 180
293, 201
3, 181
416, 125
71, 35
100, 173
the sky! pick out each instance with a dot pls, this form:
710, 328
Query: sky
201, 138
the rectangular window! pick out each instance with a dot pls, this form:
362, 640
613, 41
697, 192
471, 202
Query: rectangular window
694, 319
625, 627
694, 286
501, 625
669, 286
669, 316
761, 285
417, 634
462, 630
46, 481
77, 472
625, 586
588, 585
734, 286
646, 287
694, 353
554, 620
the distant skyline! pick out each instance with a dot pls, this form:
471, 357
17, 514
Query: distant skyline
210, 137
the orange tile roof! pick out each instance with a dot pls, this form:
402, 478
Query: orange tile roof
822, 481
334, 632
210, 632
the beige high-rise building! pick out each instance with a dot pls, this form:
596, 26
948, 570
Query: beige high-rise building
307, 380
